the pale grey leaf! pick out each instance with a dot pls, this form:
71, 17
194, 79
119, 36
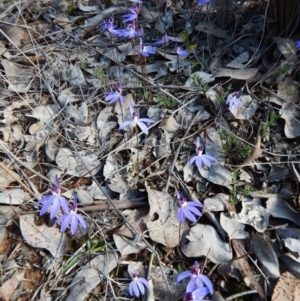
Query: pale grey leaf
266, 255
84, 197
237, 63
217, 174
254, 214
211, 29
65, 97
165, 228
201, 77
279, 208
202, 241
6, 179
14, 196
218, 202
243, 74
170, 124
233, 227
91, 275
44, 113
75, 75
43, 236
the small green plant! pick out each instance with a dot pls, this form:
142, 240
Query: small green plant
272, 122
100, 74
165, 101
248, 188
197, 82
142, 93
84, 64
235, 179
233, 144
222, 98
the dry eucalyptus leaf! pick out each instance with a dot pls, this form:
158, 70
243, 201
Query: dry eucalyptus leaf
91, 275
291, 239
287, 288
237, 63
6, 179
279, 208
9, 287
287, 48
217, 174
233, 227
15, 196
213, 145
201, 77
128, 246
203, 240
288, 90
77, 166
124, 236
162, 220
266, 255
75, 75
87, 8
243, 74
18, 76
84, 197
65, 97
254, 214
170, 124
43, 236
44, 113
112, 164
211, 29
218, 202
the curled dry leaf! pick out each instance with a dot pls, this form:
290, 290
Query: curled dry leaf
237, 63
279, 208
266, 255
9, 287
7, 178
243, 74
233, 227
162, 221
124, 237
170, 124
254, 214
218, 202
43, 236
217, 174
14, 196
288, 90
91, 275
203, 240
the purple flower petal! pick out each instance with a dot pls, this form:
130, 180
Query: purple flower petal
199, 162
66, 221
142, 126
183, 275
146, 120
189, 215
207, 283
124, 124
74, 224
